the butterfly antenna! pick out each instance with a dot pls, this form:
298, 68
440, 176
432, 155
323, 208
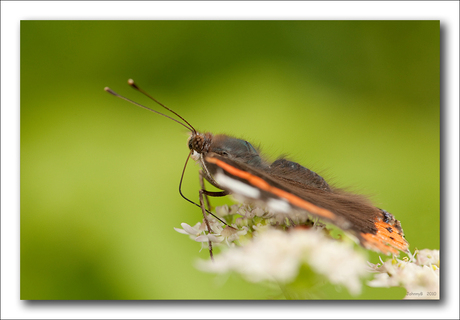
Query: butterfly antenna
180, 191
132, 84
190, 128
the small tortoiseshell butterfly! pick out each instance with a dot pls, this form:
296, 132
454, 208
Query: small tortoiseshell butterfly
235, 167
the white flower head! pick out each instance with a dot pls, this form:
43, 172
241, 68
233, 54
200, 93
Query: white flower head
246, 211
427, 257
193, 232
232, 233
222, 211
277, 255
219, 232
419, 276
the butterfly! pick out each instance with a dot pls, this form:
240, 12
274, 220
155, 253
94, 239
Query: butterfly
286, 187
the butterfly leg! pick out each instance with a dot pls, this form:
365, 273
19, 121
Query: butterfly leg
203, 209
202, 188
203, 194
204, 198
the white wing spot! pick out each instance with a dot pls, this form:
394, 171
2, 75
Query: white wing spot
279, 205
237, 186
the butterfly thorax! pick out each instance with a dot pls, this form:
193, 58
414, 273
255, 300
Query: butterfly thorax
225, 146
236, 149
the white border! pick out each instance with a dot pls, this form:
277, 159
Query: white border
13, 12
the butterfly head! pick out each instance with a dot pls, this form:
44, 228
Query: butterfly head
199, 144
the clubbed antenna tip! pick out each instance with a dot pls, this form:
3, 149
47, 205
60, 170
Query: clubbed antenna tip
132, 84
110, 91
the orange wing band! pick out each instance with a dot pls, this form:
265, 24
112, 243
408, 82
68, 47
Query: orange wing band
261, 184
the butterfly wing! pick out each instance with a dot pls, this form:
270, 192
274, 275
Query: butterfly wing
287, 187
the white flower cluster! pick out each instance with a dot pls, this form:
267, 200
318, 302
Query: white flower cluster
266, 251
263, 246
418, 275
277, 255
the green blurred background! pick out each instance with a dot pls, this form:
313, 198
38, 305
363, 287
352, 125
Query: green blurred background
356, 101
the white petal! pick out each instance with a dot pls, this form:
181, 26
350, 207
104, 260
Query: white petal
202, 238
181, 231
189, 229
213, 238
